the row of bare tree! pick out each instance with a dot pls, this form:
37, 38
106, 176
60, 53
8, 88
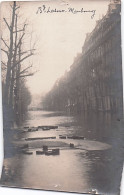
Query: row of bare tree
16, 96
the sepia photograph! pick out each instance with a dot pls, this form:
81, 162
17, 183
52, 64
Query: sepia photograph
62, 95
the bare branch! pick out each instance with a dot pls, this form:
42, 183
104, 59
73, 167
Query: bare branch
21, 29
23, 71
3, 63
18, 31
21, 60
7, 24
21, 36
22, 53
5, 51
17, 7
31, 74
5, 43
24, 58
20, 39
26, 75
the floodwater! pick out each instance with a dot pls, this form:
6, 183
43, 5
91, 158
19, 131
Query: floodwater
95, 166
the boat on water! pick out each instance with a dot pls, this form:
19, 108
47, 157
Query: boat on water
31, 129
48, 127
39, 152
38, 138
27, 152
52, 152
45, 128
62, 137
75, 137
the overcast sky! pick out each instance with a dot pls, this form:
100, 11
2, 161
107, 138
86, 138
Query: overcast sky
58, 36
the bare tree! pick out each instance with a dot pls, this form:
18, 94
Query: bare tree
14, 66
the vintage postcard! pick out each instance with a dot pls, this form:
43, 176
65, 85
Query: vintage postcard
62, 95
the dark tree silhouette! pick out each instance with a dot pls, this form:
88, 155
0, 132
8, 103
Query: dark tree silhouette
15, 70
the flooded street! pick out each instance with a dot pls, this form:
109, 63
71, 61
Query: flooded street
95, 164
62, 95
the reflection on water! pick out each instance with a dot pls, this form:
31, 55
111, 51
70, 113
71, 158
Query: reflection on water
72, 170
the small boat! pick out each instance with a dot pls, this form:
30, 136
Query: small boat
31, 129
45, 128
47, 138
55, 151
27, 152
62, 137
39, 152
40, 127
78, 137
35, 129
26, 127
38, 138
53, 127
49, 153
32, 138
48, 127
52, 152
52, 137
75, 137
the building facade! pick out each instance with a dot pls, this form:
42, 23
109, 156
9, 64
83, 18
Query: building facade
94, 81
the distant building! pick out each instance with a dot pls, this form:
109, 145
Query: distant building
94, 81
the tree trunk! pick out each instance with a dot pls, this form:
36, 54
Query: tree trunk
10, 56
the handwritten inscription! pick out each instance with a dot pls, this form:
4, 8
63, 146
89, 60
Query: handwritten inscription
45, 9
